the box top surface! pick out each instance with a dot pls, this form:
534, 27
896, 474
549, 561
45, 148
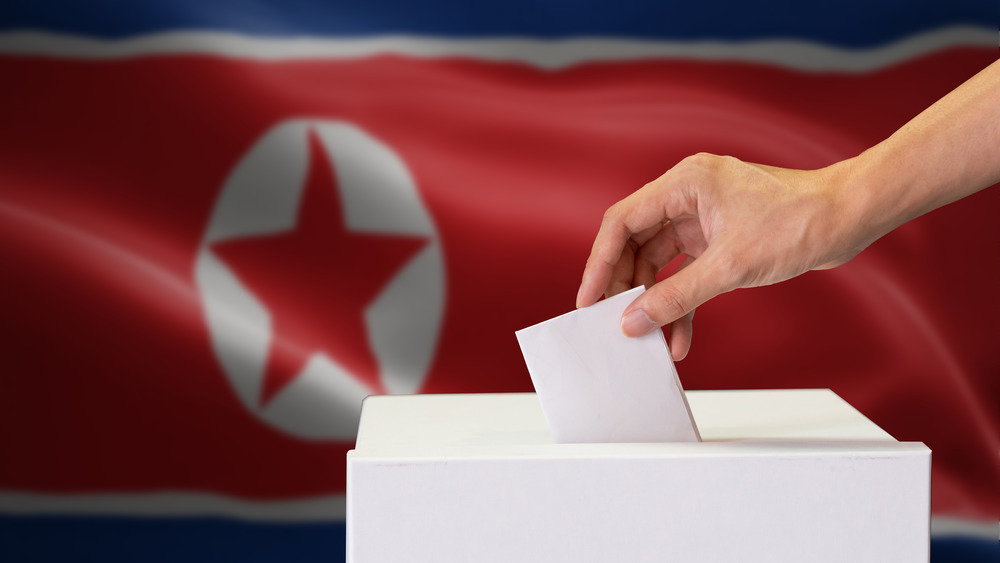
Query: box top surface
515, 419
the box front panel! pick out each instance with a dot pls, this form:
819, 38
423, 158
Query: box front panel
822, 508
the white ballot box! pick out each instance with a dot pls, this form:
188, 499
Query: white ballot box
791, 475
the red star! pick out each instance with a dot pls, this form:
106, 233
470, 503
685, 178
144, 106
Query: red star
317, 280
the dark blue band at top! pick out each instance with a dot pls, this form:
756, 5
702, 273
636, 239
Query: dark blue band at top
43, 539
848, 23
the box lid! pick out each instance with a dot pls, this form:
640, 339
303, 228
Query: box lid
515, 419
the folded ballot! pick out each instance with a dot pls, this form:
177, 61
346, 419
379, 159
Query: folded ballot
597, 385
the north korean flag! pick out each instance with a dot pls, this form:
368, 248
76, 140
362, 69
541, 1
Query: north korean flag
220, 229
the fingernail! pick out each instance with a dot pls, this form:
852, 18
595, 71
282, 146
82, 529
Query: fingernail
637, 323
579, 292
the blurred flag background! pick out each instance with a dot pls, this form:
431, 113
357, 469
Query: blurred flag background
222, 224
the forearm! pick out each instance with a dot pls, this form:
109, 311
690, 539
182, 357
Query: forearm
950, 150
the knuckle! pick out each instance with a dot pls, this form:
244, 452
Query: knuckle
616, 219
613, 213
700, 160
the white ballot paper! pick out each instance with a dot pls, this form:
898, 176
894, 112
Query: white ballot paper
597, 385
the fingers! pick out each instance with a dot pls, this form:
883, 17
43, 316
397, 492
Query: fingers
625, 274
640, 215
621, 274
614, 275
675, 296
681, 331
654, 255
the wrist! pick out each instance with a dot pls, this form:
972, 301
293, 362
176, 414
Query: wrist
871, 194
856, 211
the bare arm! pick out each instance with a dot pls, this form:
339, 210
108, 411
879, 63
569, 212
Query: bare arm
746, 225
950, 150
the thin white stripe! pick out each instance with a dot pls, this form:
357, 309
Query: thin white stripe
174, 504
546, 54
319, 509
947, 527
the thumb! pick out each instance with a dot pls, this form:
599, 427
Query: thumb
674, 297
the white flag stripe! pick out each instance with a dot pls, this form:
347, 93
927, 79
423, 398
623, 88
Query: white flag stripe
943, 526
174, 504
541, 53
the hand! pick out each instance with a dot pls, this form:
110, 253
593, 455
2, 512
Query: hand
744, 225
740, 225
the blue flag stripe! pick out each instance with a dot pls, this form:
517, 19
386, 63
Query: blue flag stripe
49, 538
850, 23
45, 538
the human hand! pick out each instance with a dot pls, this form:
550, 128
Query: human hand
740, 225
744, 225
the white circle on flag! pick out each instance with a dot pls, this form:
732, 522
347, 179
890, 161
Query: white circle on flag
378, 195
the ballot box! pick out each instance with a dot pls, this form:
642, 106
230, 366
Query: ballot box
784, 475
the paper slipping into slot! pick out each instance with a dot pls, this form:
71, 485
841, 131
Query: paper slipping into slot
597, 385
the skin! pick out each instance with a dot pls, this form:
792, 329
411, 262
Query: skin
745, 225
